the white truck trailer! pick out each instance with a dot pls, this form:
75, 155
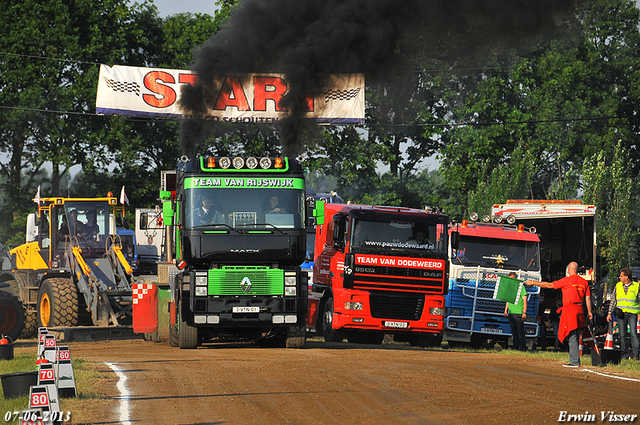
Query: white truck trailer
567, 231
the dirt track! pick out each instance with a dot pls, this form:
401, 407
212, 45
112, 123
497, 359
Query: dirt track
347, 384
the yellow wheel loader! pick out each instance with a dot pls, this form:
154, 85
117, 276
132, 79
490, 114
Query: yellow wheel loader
71, 271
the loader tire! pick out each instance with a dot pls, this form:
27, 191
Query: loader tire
12, 317
187, 334
31, 324
58, 303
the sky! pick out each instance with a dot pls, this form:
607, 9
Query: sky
171, 7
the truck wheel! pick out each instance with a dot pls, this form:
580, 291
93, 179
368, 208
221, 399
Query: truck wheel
151, 336
296, 336
187, 335
330, 334
173, 335
12, 317
57, 303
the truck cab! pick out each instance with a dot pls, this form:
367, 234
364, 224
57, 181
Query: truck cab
485, 252
379, 270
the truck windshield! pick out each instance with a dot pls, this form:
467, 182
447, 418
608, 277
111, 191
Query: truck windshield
244, 208
497, 253
398, 237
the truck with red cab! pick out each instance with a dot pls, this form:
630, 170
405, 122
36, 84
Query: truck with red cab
485, 251
379, 270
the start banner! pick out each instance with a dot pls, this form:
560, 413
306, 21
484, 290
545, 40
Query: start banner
250, 98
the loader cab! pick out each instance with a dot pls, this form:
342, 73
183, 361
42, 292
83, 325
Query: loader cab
84, 224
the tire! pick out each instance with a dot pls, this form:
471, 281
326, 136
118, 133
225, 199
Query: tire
12, 315
31, 324
173, 335
57, 303
330, 334
296, 336
151, 336
187, 334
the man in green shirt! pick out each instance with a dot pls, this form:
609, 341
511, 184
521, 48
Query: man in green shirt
517, 313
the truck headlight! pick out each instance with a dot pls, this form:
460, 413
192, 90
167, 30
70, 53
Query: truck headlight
201, 290
201, 280
290, 290
290, 280
349, 305
438, 311
455, 312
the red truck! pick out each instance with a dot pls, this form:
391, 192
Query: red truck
379, 270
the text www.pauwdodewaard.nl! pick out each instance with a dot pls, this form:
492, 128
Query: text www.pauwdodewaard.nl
384, 244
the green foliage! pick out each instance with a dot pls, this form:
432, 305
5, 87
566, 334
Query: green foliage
341, 152
506, 181
49, 66
611, 185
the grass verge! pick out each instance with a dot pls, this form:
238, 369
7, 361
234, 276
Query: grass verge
92, 382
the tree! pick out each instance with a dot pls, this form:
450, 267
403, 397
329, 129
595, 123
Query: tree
48, 73
571, 95
612, 186
395, 114
342, 152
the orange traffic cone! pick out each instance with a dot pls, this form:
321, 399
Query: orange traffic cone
608, 343
580, 345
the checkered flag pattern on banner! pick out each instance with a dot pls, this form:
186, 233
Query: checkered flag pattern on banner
341, 94
508, 289
123, 87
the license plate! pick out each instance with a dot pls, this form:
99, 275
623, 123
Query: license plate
246, 309
491, 330
399, 325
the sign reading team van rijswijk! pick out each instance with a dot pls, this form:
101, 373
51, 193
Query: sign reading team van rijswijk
250, 98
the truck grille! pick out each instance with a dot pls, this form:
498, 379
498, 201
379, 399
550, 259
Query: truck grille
398, 279
482, 292
246, 281
396, 307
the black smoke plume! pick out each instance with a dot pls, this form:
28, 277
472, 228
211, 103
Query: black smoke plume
306, 38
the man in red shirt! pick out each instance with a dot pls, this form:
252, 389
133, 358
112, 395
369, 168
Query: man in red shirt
575, 294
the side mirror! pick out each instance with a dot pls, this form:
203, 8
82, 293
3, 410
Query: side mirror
168, 211
315, 212
339, 228
349, 270
455, 240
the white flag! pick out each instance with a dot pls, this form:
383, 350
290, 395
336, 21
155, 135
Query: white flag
123, 197
37, 198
